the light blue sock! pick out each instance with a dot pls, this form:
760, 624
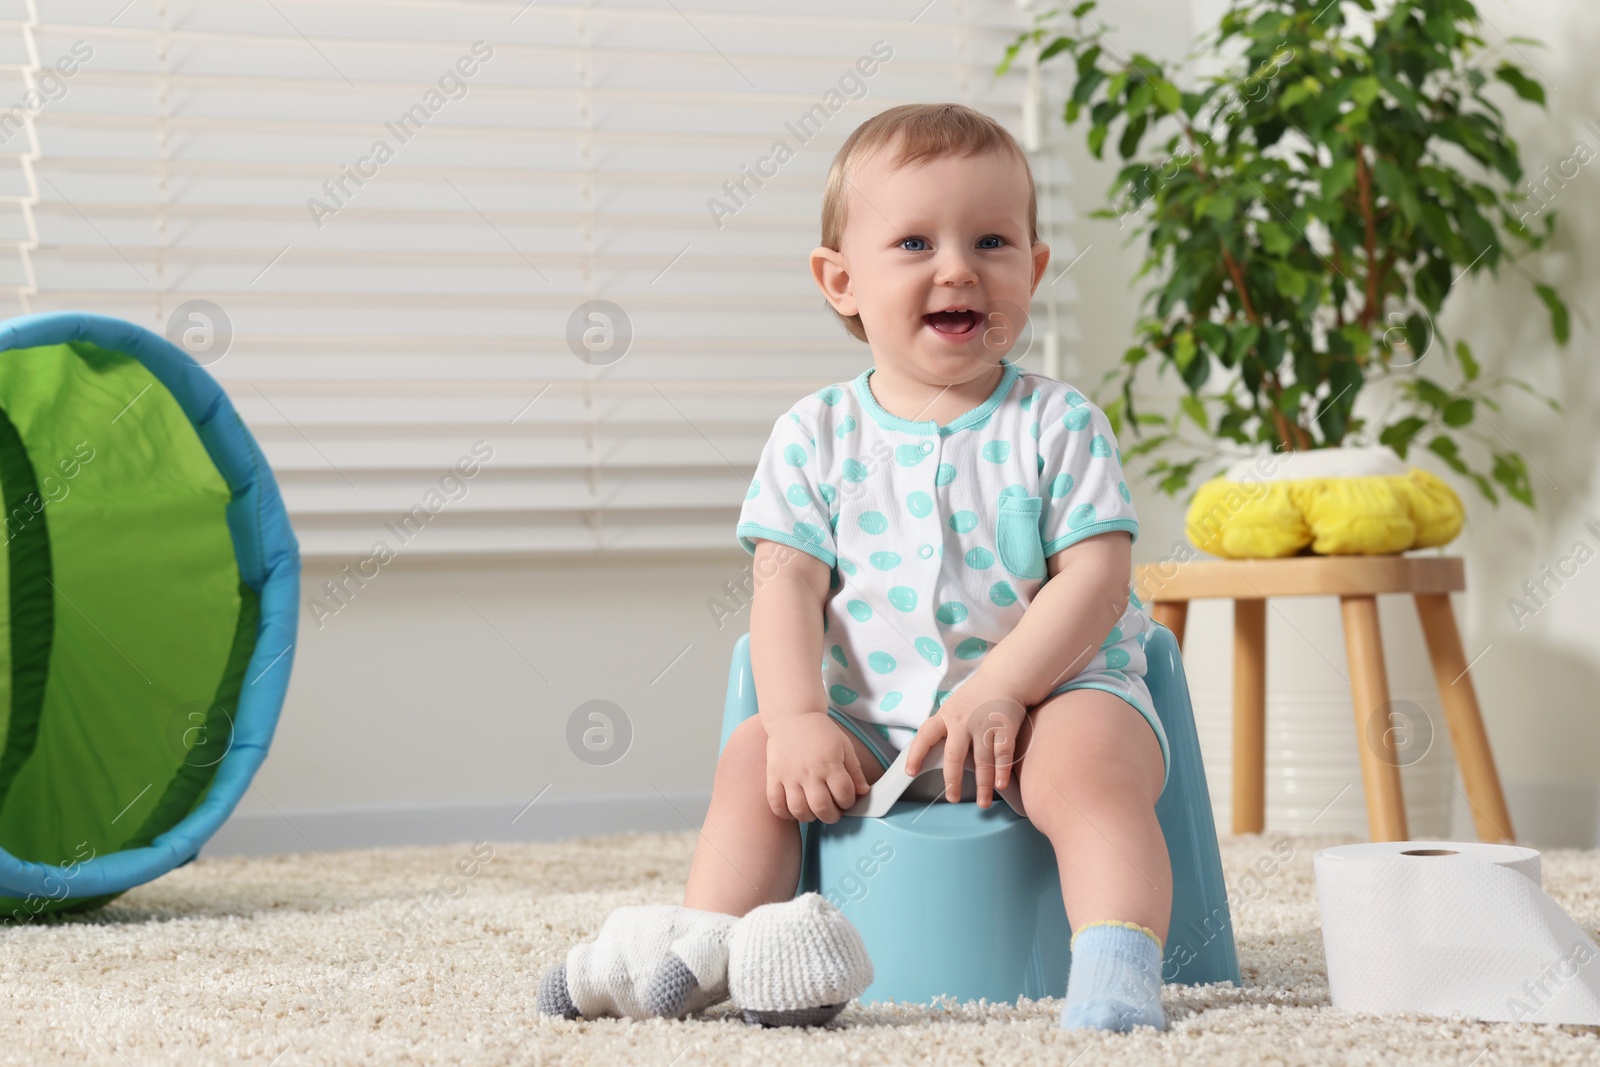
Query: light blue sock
1115, 982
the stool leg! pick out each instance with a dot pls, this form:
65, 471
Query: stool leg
1460, 702
1249, 715
1172, 614
1369, 688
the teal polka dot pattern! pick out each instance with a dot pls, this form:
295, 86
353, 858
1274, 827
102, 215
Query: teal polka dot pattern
909, 455
882, 499
807, 532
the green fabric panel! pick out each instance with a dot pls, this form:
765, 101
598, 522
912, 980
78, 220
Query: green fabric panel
211, 733
5, 629
29, 603
147, 600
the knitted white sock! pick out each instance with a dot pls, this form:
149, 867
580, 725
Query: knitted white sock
648, 961
1115, 981
796, 963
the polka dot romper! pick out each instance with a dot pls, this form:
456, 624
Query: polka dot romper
937, 537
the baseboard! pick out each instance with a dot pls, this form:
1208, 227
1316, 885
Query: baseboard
1546, 815
1543, 814
549, 819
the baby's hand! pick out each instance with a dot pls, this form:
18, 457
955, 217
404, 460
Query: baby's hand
980, 714
812, 769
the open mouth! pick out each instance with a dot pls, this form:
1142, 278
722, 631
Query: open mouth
954, 323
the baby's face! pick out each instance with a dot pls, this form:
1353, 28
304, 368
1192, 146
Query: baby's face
952, 233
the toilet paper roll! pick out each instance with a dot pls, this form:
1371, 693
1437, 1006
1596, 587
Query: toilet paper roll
1452, 927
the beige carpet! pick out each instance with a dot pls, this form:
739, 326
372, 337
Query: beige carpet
347, 958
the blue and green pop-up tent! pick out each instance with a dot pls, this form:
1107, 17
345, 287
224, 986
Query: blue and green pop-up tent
148, 588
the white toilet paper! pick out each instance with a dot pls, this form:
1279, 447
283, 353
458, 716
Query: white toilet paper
1443, 927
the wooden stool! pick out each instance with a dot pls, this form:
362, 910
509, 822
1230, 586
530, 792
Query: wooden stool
1356, 581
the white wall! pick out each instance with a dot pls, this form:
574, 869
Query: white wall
416, 715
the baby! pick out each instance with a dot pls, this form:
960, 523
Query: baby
949, 537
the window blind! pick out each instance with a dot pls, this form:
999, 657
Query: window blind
383, 226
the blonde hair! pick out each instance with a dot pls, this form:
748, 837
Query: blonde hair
921, 133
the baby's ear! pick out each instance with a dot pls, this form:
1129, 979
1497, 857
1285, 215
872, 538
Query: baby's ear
832, 274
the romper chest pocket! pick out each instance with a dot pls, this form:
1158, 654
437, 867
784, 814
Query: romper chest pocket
1017, 536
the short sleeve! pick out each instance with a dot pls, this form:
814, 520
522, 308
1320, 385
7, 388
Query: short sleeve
1080, 473
788, 501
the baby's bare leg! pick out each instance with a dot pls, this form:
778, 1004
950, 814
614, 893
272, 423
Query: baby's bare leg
1090, 777
747, 856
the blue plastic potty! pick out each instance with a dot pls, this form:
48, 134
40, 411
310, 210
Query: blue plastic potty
895, 866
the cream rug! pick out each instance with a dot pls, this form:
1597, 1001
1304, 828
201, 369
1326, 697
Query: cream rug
395, 956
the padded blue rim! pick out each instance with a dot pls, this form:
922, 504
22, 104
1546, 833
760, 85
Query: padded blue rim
269, 562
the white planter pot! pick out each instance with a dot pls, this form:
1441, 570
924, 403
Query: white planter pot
1313, 764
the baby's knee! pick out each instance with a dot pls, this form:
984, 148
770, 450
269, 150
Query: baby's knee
746, 750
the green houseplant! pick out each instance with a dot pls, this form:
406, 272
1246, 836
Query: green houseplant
1310, 209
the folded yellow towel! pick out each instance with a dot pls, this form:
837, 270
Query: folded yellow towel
1372, 514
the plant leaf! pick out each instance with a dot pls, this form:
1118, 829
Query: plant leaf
1446, 449
1193, 408
1511, 472
1525, 87
1458, 412
1559, 323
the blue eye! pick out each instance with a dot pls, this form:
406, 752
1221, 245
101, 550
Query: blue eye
903, 241
991, 237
